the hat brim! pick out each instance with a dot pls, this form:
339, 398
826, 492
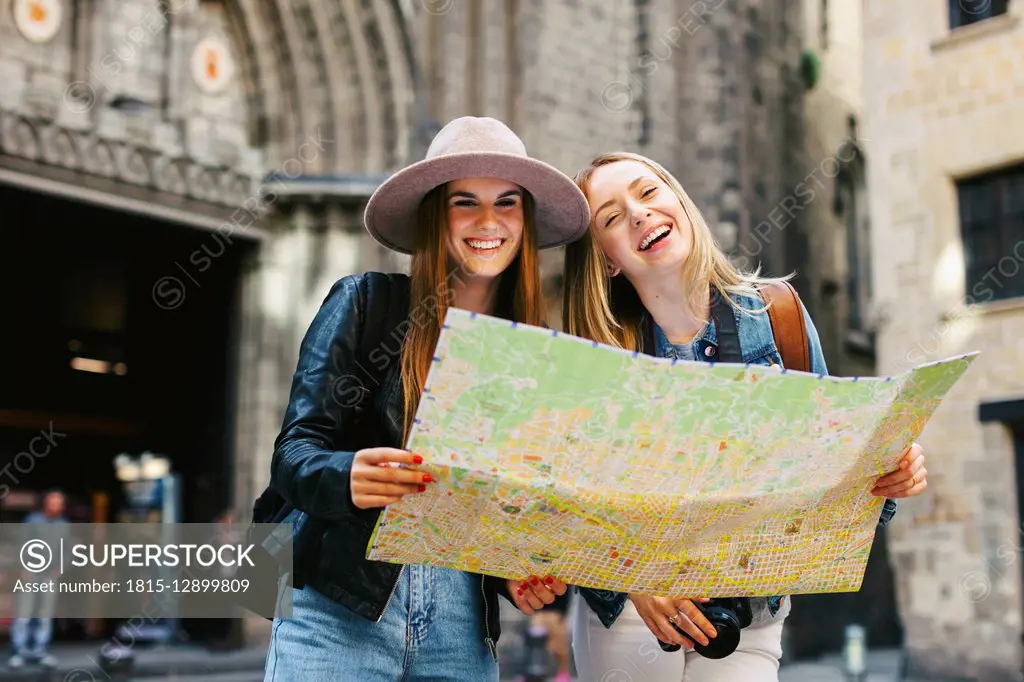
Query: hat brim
562, 211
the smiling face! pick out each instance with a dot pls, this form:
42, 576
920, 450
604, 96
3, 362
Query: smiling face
485, 224
638, 221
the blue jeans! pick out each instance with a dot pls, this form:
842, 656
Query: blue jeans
33, 608
432, 629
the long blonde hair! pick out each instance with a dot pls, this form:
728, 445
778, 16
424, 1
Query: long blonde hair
519, 296
608, 309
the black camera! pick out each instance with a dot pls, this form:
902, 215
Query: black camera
729, 616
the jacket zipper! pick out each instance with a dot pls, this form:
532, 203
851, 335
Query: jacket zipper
394, 587
487, 621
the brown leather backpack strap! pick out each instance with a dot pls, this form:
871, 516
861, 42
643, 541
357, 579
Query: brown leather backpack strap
787, 320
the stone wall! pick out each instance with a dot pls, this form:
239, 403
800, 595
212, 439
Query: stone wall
941, 105
708, 89
833, 111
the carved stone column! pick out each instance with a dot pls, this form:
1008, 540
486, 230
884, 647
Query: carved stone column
259, 402
301, 245
341, 246
310, 247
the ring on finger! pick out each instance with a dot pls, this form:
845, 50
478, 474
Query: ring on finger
673, 619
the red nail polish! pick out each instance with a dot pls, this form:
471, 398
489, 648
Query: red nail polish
534, 581
416, 459
427, 478
422, 488
519, 593
524, 586
549, 580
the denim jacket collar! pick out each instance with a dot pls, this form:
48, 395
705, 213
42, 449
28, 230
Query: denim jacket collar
754, 328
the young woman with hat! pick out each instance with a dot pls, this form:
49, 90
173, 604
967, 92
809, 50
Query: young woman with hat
473, 215
649, 277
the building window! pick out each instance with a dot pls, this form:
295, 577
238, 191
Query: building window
643, 46
851, 208
992, 225
823, 28
965, 12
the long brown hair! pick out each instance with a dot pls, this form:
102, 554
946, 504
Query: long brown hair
519, 296
608, 309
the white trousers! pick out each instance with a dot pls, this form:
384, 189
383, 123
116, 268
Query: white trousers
628, 652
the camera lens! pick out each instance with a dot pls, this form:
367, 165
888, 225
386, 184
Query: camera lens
724, 644
728, 627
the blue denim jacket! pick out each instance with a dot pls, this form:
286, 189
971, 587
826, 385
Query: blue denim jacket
757, 345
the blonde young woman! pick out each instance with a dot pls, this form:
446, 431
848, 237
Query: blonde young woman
649, 277
474, 215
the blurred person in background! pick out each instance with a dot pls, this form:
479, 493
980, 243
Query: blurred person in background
474, 215
32, 628
554, 620
649, 277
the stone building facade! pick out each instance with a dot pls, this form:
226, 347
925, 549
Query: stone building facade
266, 125
828, 203
943, 100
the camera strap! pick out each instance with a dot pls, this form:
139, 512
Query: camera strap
725, 328
729, 349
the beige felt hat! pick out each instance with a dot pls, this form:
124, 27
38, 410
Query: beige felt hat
471, 147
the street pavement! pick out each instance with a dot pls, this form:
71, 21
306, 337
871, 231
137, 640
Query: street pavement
250, 676
196, 664
883, 665
80, 663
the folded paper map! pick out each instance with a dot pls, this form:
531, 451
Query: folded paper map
619, 471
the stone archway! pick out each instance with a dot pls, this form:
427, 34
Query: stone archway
115, 90
329, 84
340, 67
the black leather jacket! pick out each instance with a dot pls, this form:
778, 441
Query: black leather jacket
346, 396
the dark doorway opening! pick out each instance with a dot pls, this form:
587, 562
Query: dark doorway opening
119, 335
1010, 413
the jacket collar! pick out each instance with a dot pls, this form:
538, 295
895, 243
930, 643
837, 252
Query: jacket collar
747, 326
